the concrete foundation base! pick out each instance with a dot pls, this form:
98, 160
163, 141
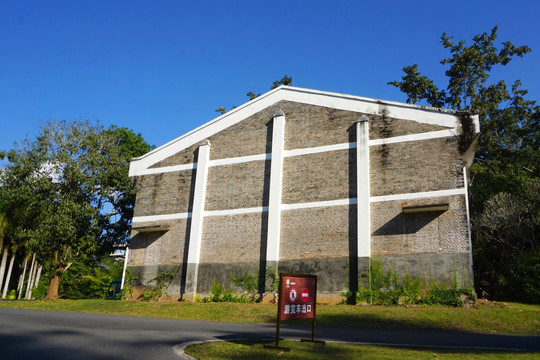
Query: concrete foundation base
334, 275
441, 268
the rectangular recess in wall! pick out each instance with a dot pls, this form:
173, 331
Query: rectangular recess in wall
425, 208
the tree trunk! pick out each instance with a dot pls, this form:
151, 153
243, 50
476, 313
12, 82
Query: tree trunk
8, 277
52, 292
30, 274
3, 266
21, 280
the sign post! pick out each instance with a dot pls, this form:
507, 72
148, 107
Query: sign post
297, 300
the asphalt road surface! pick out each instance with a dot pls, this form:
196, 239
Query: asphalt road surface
37, 334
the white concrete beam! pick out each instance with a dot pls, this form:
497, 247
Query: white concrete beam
276, 182
195, 234
362, 187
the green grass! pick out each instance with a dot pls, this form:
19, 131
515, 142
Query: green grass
240, 350
510, 318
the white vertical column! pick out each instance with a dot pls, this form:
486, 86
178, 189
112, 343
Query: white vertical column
362, 187
126, 260
195, 234
276, 180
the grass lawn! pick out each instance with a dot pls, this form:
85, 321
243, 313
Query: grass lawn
508, 318
308, 351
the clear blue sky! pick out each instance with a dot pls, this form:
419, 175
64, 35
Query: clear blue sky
161, 68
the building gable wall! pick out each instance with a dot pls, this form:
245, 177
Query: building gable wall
410, 163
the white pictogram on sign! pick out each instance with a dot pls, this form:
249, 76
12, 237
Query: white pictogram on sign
292, 295
305, 295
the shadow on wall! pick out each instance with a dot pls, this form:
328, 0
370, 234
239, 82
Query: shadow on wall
353, 221
144, 239
264, 221
183, 273
404, 224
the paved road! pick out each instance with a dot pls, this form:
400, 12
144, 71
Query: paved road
36, 334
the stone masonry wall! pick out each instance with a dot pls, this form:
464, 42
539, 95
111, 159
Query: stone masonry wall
159, 247
382, 127
237, 186
316, 233
415, 166
186, 156
233, 239
318, 177
166, 193
394, 232
311, 126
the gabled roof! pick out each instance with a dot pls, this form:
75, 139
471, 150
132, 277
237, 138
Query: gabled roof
392, 109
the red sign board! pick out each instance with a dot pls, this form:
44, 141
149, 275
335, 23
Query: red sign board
298, 296
297, 300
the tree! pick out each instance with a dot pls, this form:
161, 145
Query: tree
506, 237
509, 122
285, 80
68, 193
91, 279
508, 152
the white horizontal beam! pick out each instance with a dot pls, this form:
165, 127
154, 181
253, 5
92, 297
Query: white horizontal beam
305, 151
308, 205
414, 137
417, 195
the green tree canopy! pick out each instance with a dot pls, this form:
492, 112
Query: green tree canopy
67, 193
508, 149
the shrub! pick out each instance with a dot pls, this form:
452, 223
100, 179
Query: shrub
154, 295
127, 291
163, 281
89, 280
438, 294
390, 288
220, 294
12, 295
250, 284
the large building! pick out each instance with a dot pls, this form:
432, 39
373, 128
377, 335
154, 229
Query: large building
306, 181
